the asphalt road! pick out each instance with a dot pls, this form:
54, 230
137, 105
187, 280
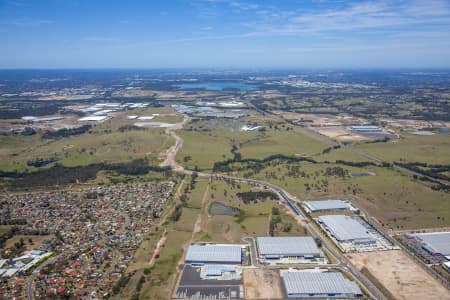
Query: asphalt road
343, 261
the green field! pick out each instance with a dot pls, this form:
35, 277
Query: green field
207, 147
254, 221
397, 201
104, 144
434, 149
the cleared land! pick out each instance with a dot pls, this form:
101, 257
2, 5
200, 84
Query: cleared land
112, 141
262, 284
204, 148
401, 276
397, 201
433, 149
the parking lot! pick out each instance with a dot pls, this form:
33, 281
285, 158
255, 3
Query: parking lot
192, 285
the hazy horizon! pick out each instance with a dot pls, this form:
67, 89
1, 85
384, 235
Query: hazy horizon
204, 34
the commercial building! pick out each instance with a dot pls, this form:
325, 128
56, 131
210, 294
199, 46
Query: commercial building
365, 128
446, 265
271, 248
93, 118
346, 229
324, 205
213, 253
436, 243
312, 284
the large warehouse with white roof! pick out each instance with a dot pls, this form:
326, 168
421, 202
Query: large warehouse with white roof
346, 229
310, 284
214, 253
436, 242
287, 247
324, 205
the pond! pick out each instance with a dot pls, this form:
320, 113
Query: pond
217, 208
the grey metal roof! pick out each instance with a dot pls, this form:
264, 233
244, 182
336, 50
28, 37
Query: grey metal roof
318, 283
438, 241
217, 270
326, 205
345, 228
288, 246
214, 253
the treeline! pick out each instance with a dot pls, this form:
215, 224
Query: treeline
176, 214
253, 196
360, 164
130, 128
224, 166
430, 170
65, 132
328, 150
61, 175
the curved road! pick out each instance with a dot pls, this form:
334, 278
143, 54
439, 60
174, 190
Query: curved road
343, 261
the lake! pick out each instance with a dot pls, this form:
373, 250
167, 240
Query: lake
216, 86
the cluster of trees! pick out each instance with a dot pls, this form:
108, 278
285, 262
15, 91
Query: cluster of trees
226, 166
336, 171
130, 128
254, 196
176, 214
434, 171
61, 175
65, 132
276, 220
7, 235
328, 150
360, 164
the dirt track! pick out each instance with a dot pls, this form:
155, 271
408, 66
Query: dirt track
400, 275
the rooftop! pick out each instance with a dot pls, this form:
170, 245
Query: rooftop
439, 242
214, 253
326, 205
345, 228
301, 282
294, 246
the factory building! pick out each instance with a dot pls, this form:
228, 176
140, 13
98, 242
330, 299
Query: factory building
436, 243
312, 284
365, 128
200, 254
325, 205
272, 248
346, 229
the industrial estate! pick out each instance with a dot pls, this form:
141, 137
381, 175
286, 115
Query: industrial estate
210, 186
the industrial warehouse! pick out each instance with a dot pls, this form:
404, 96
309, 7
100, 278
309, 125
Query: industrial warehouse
314, 284
200, 254
352, 234
436, 243
289, 250
326, 205
212, 271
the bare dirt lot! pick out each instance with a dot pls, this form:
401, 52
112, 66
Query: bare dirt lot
339, 133
262, 284
400, 275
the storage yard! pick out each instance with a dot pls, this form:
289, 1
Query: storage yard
289, 250
191, 285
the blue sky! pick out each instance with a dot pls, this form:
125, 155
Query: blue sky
224, 33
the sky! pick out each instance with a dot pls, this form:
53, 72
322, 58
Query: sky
224, 34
